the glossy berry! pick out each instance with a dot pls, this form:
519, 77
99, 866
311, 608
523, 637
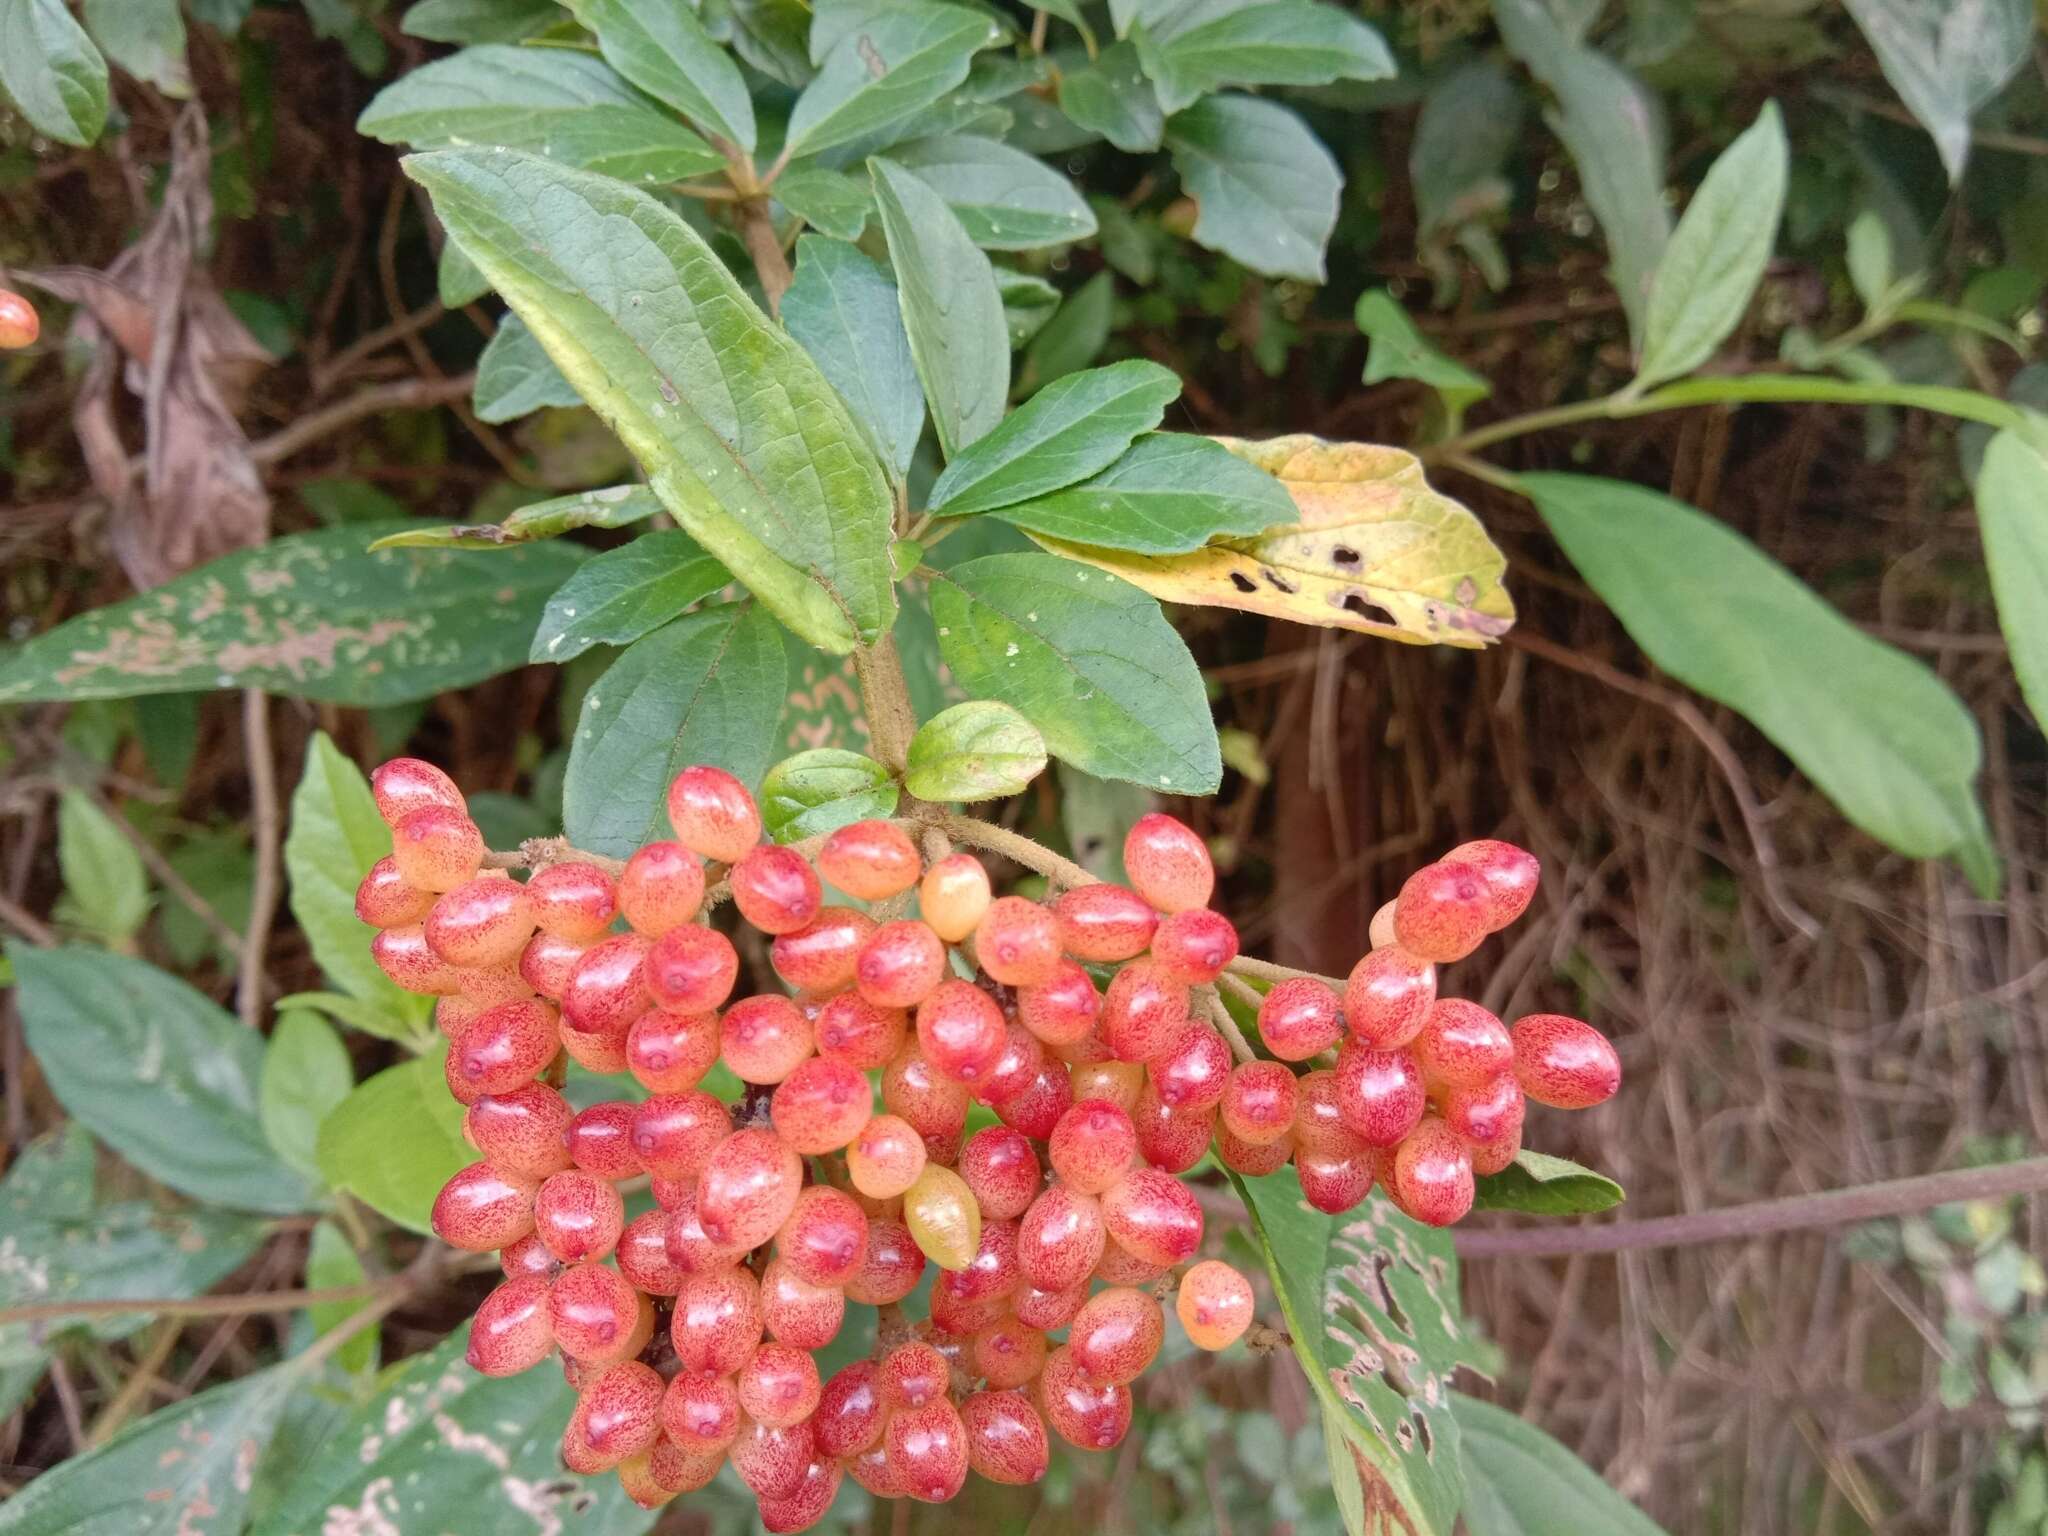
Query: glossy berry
1142, 1012
573, 900
1319, 1125
1116, 1335
436, 847
512, 1331
642, 1255
1168, 864
1299, 1019
1258, 1102
1060, 1239
1214, 1305
778, 1385
20, 325
405, 784
955, 1317
521, 1131
764, 1038
851, 1029
1089, 1414
1153, 1215
578, 1216
891, 1264
943, 1219
1510, 874
927, 1450
960, 1031
528, 1258
954, 895
386, 899
597, 1315
911, 1375
776, 889
691, 969
1193, 1070
1253, 1159
1380, 933
713, 813
621, 1409
1017, 942
1486, 1113
796, 1312
1194, 946
504, 1048
606, 990
600, 1140
805, 1504
661, 888
819, 957
825, 1236
886, 1157
900, 964
665, 1470
1442, 912
1433, 1174
932, 1103
748, 1189
1063, 1008
870, 860
487, 985
483, 1208
1047, 1310
1168, 1138
689, 1249
773, 1462
1495, 1155
1117, 1082
1118, 1266
701, 1410
1037, 1109
1006, 1439
851, 1411
1001, 1169
1008, 1353
821, 1106
403, 955
670, 1052
1564, 1062
1092, 1147
1017, 1067
1387, 999
547, 963
1104, 922
716, 1325
1379, 1094
1462, 1045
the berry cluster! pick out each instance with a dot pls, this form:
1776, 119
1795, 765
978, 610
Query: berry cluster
689, 1331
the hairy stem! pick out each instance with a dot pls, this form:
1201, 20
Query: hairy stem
885, 701
1014, 846
1266, 970
757, 229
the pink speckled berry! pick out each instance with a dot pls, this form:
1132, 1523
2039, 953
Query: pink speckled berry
805, 1504
1104, 922
1037, 1109
603, 1055
912, 1088
778, 1385
713, 813
821, 1106
606, 990
1016, 1067
622, 1409
1485, 1114
1018, 942
1000, 1167
993, 1272
665, 1470
573, 900
505, 1047
776, 889
953, 896
1142, 1012
548, 961
688, 1248
1193, 1070
891, 1264
1008, 1353
511, 1331
900, 964
691, 969
851, 1029
1564, 1062
870, 860
1387, 999
404, 955
521, 1131
1117, 1082
956, 1317
1433, 1174
1153, 1215
1117, 1334
600, 1140
796, 1312
1118, 1266
386, 899
764, 1038
850, 1411
1319, 1123
1088, 1414
927, 1448
716, 1325
670, 1052
748, 1188
819, 957
661, 888
1006, 1439
528, 1256
824, 1235
1379, 1093
1462, 1045
578, 1216
436, 847
912, 1375
482, 922
482, 1208
772, 1460
1442, 911
1168, 864
1060, 1238
1064, 1007
1194, 946
1092, 1146
1255, 1159
1214, 1304
488, 985
642, 1255
404, 784
1171, 1139
701, 1410
960, 1030
886, 1157
1299, 1019
1334, 1182
1048, 1310
597, 1315
1510, 874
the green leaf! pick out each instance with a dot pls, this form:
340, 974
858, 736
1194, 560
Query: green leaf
1470, 123
456, 279
1946, 61
895, 64
1028, 302
156, 1071
1171, 493
1088, 659
1614, 132
479, 21
395, 1140
1877, 731
1006, 200
980, 750
844, 310
1067, 431
557, 102
105, 889
661, 46
369, 1018
515, 377
144, 37
1400, 351
1521, 1482
708, 688
51, 71
613, 506
1547, 1186
186, 1470
1073, 338
624, 593
306, 1072
822, 790
742, 438
1265, 187
1870, 258
1717, 254
336, 835
1112, 97
832, 202
1371, 1302
951, 309
330, 1264
443, 1449
1283, 43
2012, 512
313, 615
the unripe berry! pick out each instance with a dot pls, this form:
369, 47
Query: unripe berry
804, 1505
1564, 1062
1299, 1019
1380, 932
960, 1031
1258, 1102
1037, 1109
1462, 1045
1442, 911
403, 955
642, 1255
606, 990
940, 1211
600, 1055
1170, 1139
870, 860
850, 1411
1008, 1353
716, 1325
598, 1316
764, 1038
1484, 1114
1153, 1215
825, 1236
748, 1188
1194, 946
622, 1409
1006, 1441
691, 969
504, 1048
900, 964
851, 1029
1047, 1310
772, 1461
386, 899
776, 889
1091, 1415
1000, 1168
927, 1450
1117, 1334
436, 848
1092, 1146
778, 1385
482, 922
1387, 999
1254, 1159
600, 1140
1433, 1174
819, 957
1064, 1007
670, 1052
661, 888
578, 1216
1510, 874
821, 1106
933, 1104
796, 1312
482, 1208
1060, 1238
953, 896
891, 1264
1017, 942
1379, 1094
573, 900
528, 1258
1142, 1012
511, 1331
1214, 1305
886, 1157
454, 1013
406, 784
521, 1131
713, 814
1193, 1070
1104, 922
1116, 1082
665, 1470
701, 1411
547, 963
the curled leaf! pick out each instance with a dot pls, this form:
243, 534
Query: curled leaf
614, 506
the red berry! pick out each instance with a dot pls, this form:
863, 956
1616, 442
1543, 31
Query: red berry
1153, 1215
1510, 874
1104, 922
1119, 1266
927, 1449
1258, 1102
670, 1052
713, 813
436, 847
764, 1038
1006, 1441
578, 1216
821, 1106
717, 1321
1001, 1169
701, 1410
773, 1462
600, 1140
853, 1030
870, 860
487, 985
511, 1331
1168, 864
1063, 1008
953, 896
1017, 942
573, 900
1433, 1174
912, 1375
521, 1131
1493, 1156
1299, 1019
778, 1385
1193, 1070
662, 887
642, 1255
1168, 1138
1462, 1045
482, 922
1037, 1109
804, 1505
689, 1250
1255, 1159
528, 1258
598, 1317
1017, 1068
886, 1157
606, 990
824, 1237
1060, 1238
900, 964
482, 1208
1143, 1011
20, 325
1214, 1304
819, 957
504, 1048
403, 955
1442, 911
547, 963
691, 969
1047, 1310
405, 784
776, 889
992, 1273
1116, 1335
1386, 1001
1564, 1062
1379, 1094
850, 1411
748, 1189
386, 900
796, 1312
1194, 946
1335, 1182
1319, 1124
621, 1409
934, 1105
960, 1030
1092, 1146
1486, 1113
891, 1264
1089, 1414
1006, 1352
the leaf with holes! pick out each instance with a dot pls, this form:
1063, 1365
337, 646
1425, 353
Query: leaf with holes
1546, 1186
625, 593
980, 750
822, 790
1375, 549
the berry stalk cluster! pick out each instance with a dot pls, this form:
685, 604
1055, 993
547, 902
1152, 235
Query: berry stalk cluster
689, 1331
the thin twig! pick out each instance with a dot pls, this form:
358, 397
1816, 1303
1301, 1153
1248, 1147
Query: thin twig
540, 852
26, 923
1014, 846
266, 831
400, 395
1212, 1006
1266, 970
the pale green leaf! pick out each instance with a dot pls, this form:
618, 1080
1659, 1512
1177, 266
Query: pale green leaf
832, 202
2012, 511
1112, 97
479, 21
1171, 493
822, 790
51, 71
1546, 1186
106, 891
612, 506
1265, 187
1947, 59
395, 1140
1069, 430
306, 1072
1400, 351
331, 1264
1005, 199
144, 37
979, 750
895, 64
335, 836
515, 377
1521, 1482
1287, 42
661, 46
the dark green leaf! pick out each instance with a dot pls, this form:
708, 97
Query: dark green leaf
336, 835
343, 500
1288, 42
1547, 1186
306, 1073
395, 1140
144, 37
1028, 302
1265, 186
615, 506
1088, 659
1883, 736
624, 593
980, 750
555, 102
310, 614
1521, 1482
743, 439
1067, 431
844, 310
1400, 351
893, 65
479, 21
1171, 493
106, 892
1006, 200
951, 308
822, 790
1946, 61
661, 46
771, 35
515, 377
51, 71
831, 202
2012, 511
706, 689
1073, 338
156, 1071
1112, 97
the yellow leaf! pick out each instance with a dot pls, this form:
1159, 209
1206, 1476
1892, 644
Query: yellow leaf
1376, 550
